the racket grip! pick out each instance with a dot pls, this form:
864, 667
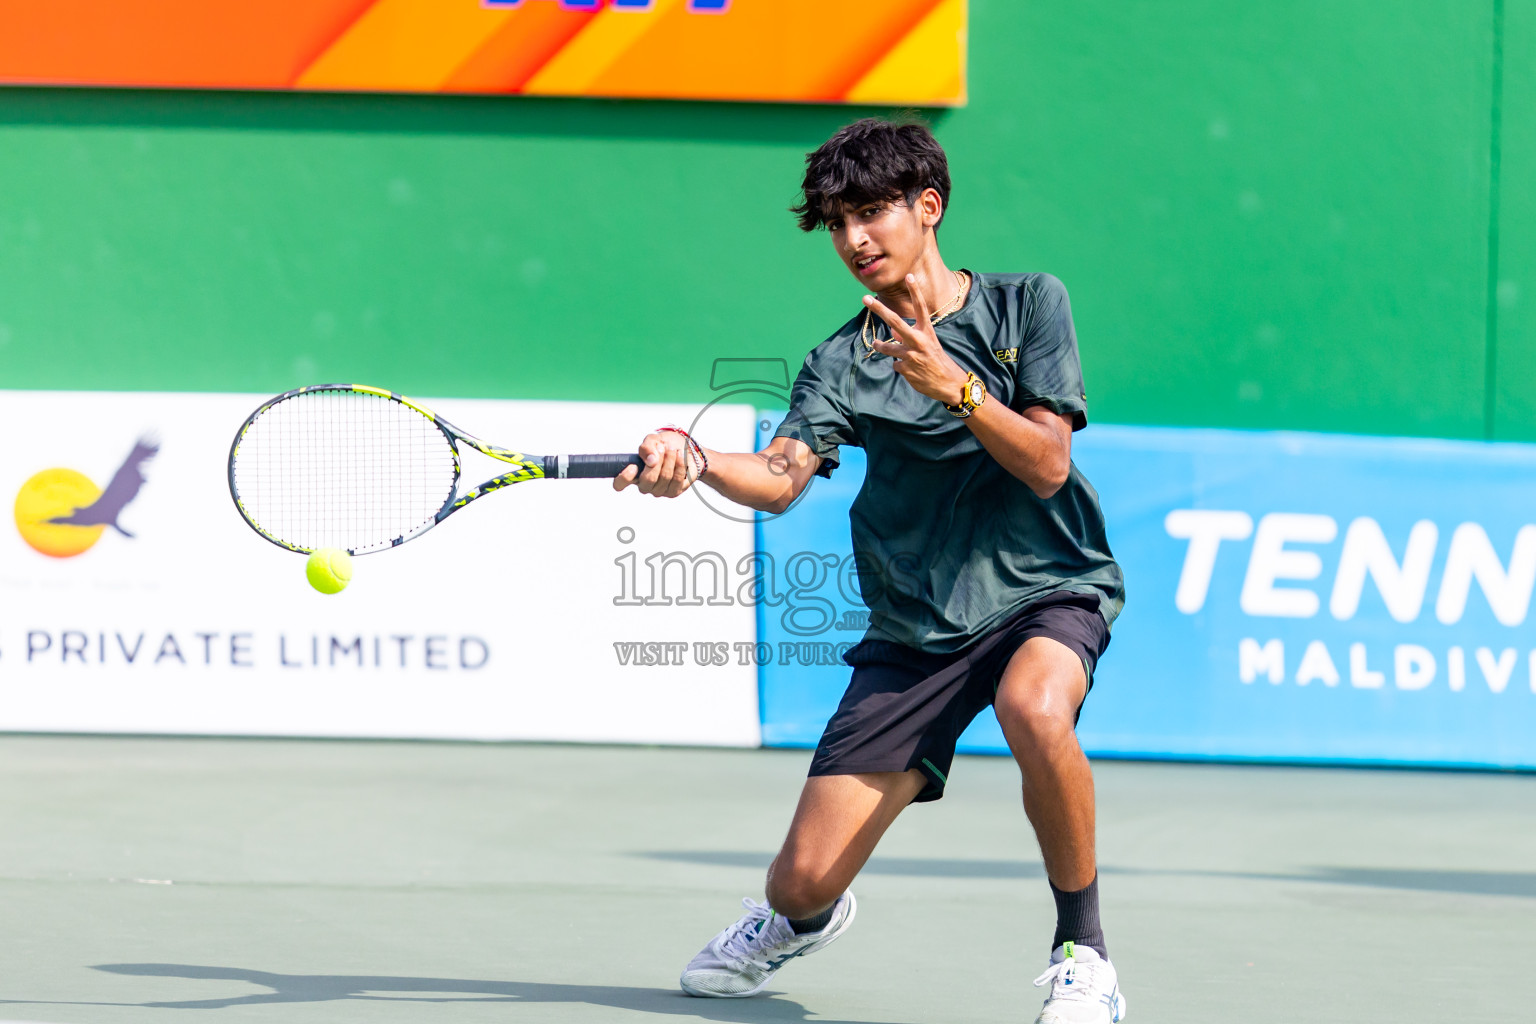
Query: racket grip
587, 467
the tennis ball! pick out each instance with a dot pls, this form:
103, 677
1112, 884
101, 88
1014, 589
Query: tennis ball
329, 570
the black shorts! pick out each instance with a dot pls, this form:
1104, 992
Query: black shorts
905, 708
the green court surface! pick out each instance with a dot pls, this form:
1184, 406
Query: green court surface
383, 882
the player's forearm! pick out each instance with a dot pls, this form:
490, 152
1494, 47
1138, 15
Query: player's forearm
1035, 451
760, 480
1035, 446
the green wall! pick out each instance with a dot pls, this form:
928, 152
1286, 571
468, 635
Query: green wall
1513, 286
1269, 215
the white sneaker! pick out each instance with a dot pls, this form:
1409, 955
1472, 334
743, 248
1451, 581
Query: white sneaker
1084, 989
740, 960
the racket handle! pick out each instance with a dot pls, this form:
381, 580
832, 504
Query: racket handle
588, 467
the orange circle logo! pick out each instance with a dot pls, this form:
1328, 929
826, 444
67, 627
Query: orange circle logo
53, 494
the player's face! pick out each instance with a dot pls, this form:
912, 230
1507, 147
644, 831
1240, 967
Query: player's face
880, 242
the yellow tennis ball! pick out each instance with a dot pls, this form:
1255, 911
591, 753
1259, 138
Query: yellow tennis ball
329, 570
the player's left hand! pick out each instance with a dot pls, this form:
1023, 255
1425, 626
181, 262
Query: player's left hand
916, 350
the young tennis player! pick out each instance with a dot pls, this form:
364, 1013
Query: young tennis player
964, 389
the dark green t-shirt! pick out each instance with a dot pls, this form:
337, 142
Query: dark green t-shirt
947, 542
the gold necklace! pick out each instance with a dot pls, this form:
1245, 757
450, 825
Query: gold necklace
949, 309
954, 303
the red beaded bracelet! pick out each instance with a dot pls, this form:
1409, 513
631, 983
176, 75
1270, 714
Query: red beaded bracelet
695, 450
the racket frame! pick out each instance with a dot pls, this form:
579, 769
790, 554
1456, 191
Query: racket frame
528, 467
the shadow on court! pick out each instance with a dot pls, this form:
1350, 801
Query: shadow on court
322, 988
910, 867
1471, 883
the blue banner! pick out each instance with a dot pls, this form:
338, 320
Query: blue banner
1293, 597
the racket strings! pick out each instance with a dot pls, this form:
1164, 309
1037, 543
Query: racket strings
343, 469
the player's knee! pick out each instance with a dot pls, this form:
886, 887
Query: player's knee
1033, 721
800, 887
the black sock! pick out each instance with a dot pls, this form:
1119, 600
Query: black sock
1077, 918
812, 924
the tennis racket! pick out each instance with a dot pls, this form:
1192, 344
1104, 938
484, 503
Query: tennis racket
363, 469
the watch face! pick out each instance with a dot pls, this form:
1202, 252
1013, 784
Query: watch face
978, 392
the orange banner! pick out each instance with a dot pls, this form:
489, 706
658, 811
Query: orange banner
859, 51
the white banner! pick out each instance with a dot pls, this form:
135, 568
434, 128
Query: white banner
505, 622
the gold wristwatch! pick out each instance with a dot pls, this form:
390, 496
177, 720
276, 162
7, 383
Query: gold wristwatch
972, 393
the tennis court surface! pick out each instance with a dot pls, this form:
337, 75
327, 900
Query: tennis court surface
187, 880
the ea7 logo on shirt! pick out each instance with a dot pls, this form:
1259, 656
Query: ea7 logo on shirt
1006, 355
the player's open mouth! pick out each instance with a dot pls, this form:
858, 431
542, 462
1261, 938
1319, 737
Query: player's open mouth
868, 264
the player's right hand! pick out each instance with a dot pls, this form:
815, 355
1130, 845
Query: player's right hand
668, 471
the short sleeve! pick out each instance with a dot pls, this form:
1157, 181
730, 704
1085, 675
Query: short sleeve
818, 413
1050, 372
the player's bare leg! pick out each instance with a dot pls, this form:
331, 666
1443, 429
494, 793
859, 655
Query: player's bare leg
836, 826
1037, 702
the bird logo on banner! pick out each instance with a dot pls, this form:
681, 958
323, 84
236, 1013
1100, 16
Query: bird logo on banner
62, 513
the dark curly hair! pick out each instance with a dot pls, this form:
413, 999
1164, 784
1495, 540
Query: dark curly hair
871, 160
